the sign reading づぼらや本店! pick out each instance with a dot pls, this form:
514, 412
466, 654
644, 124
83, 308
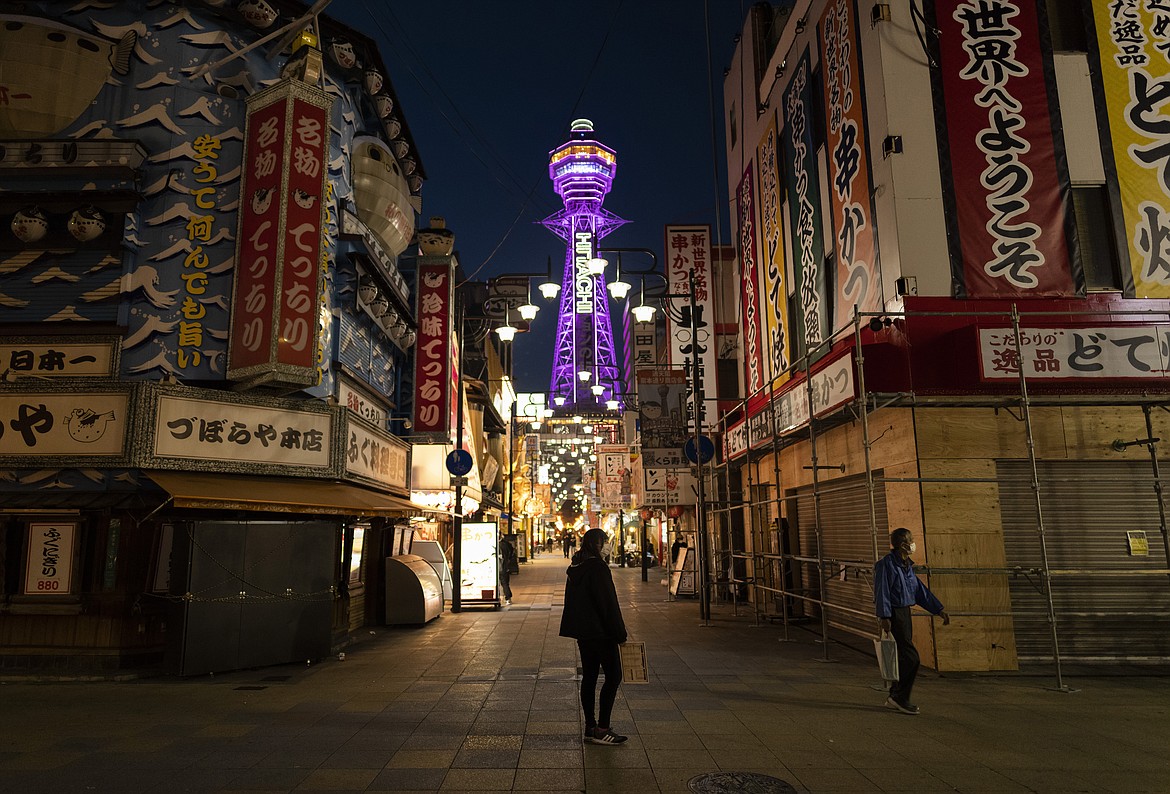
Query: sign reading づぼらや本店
49, 563
277, 288
220, 436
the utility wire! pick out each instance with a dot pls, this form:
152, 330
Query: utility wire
526, 201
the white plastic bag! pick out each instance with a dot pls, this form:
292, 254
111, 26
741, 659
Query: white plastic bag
886, 649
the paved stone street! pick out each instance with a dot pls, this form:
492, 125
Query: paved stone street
487, 701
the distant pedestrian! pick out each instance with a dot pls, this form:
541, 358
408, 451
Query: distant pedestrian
679, 543
548, 544
507, 561
567, 544
593, 617
895, 590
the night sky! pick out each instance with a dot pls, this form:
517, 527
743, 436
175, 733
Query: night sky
489, 88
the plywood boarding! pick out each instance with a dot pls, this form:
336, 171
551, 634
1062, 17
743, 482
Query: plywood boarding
1089, 431
903, 499
988, 433
891, 438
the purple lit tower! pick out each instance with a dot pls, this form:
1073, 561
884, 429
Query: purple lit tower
582, 172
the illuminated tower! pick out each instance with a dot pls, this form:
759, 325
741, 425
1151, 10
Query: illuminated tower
582, 172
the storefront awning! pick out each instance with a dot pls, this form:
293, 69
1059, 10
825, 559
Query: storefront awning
278, 495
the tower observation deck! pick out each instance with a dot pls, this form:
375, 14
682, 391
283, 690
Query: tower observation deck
582, 172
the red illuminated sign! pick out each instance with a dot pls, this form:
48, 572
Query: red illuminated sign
278, 265
434, 361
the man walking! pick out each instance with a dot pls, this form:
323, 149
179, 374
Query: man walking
593, 617
507, 561
895, 590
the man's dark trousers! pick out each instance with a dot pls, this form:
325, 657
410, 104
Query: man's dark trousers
903, 630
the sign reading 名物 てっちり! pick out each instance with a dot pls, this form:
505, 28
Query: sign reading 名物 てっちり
49, 565
282, 196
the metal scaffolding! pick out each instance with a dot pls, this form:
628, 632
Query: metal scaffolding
756, 560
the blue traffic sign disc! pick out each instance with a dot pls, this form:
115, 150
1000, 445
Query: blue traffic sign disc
459, 462
705, 452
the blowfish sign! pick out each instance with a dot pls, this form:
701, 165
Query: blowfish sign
278, 272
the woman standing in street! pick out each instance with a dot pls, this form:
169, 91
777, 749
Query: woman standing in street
593, 617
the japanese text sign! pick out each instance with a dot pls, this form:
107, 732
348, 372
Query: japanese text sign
804, 205
222, 432
1133, 69
1106, 352
692, 341
832, 387
375, 455
858, 277
662, 415
774, 300
278, 272
1007, 176
49, 567
753, 343
434, 367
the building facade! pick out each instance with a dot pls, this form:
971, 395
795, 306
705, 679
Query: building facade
206, 334
949, 219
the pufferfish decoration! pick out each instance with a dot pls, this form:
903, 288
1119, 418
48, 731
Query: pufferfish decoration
86, 223
342, 51
29, 224
257, 13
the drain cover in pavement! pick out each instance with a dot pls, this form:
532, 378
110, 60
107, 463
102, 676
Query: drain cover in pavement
728, 782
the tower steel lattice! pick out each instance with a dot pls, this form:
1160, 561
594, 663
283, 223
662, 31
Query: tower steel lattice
582, 172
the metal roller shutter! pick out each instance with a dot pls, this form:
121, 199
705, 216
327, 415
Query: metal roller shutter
845, 532
1110, 606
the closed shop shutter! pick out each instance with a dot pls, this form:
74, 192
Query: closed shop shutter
845, 533
1114, 608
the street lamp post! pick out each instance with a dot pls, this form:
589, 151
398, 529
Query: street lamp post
699, 400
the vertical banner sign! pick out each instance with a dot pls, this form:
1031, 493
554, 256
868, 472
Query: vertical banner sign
804, 206
49, 567
1007, 218
1133, 39
278, 272
774, 306
688, 251
433, 361
858, 282
753, 358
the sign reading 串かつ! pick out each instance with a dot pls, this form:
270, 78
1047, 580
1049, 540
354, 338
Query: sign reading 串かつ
219, 431
49, 565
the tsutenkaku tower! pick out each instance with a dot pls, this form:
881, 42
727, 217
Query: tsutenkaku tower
582, 172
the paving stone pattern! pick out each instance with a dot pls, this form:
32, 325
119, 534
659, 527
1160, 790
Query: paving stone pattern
487, 701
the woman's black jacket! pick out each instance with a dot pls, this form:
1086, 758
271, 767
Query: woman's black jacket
591, 604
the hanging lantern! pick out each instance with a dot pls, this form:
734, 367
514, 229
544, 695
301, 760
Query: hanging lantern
674, 511
373, 81
647, 514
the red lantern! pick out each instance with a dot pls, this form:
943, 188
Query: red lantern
674, 512
647, 514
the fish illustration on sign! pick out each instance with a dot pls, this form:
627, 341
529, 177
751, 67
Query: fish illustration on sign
50, 72
87, 426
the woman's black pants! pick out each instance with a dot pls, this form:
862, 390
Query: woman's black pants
598, 655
